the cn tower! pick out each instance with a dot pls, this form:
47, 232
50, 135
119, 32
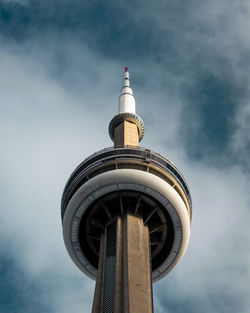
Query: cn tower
126, 214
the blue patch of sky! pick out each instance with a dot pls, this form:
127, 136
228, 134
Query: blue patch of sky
107, 28
213, 298
20, 292
212, 302
208, 118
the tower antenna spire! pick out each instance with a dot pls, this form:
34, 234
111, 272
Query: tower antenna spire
126, 99
126, 77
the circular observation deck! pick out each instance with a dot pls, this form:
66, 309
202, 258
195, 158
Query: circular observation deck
130, 117
117, 181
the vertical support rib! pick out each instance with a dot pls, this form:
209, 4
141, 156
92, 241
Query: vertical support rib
137, 267
108, 290
98, 296
137, 205
107, 211
119, 276
150, 215
121, 204
109, 280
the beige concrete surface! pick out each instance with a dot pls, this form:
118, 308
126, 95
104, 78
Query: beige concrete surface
126, 134
139, 266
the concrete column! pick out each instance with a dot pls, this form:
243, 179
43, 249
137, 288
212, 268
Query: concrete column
126, 134
137, 267
124, 282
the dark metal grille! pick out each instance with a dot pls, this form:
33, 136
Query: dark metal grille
110, 269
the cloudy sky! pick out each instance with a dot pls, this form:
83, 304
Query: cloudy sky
61, 64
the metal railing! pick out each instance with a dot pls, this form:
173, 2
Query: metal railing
132, 152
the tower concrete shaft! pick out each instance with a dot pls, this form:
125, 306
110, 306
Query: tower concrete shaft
124, 283
126, 134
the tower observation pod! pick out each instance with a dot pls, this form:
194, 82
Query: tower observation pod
126, 214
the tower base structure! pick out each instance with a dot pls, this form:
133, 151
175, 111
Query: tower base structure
124, 283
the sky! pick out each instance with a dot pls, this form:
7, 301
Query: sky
61, 65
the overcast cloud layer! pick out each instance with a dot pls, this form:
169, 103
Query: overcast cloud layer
61, 66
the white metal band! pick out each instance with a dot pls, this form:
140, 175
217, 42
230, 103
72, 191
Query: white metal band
126, 179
